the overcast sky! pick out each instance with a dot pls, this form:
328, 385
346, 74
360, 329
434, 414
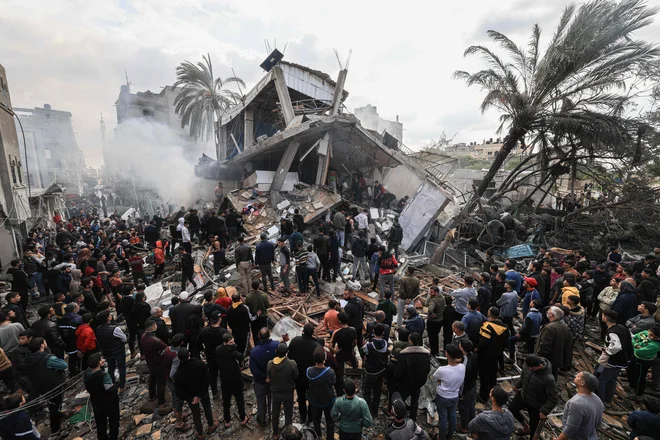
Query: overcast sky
72, 54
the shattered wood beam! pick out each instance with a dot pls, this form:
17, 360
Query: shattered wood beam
339, 92
282, 170
283, 94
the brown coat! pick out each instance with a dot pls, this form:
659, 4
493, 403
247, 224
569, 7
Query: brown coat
555, 343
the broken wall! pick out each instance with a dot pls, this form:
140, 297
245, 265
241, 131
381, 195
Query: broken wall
420, 213
400, 181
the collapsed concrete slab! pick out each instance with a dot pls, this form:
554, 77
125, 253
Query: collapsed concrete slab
421, 212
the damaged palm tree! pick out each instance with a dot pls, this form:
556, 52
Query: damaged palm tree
203, 98
575, 90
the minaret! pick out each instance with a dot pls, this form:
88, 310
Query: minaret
103, 139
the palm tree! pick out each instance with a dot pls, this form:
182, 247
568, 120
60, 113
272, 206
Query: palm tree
203, 98
573, 91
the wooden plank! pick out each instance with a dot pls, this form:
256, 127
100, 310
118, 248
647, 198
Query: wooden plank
367, 298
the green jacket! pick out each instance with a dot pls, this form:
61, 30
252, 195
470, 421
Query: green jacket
645, 348
351, 414
436, 306
258, 300
389, 308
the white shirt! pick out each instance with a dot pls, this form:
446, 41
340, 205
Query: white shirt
451, 380
363, 220
185, 235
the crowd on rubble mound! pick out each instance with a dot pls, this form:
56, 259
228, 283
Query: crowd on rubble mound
532, 317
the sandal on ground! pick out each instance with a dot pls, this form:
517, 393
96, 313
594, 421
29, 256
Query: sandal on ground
245, 421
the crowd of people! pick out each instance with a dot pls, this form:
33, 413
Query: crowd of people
532, 316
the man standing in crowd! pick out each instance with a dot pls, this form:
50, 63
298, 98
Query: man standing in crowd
408, 290
321, 393
375, 362
301, 351
209, 339
584, 411
450, 380
494, 424
536, 392
191, 383
412, 369
351, 413
263, 352
494, 336
104, 398
152, 348
555, 342
436, 306
111, 341
285, 264
616, 355
462, 296
229, 361
282, 374
258, 303
355, 311
244, 263
264, 257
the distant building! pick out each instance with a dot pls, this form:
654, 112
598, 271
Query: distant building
14, 206
53, 154
461, 149
488, 149
371, 120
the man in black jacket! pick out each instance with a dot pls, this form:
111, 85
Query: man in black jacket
468, 397
238, 319
139, 314
648, 287
187, 269
208, 340
412, 370
162, 332
104, 398
13, 304
46, 373
494, 335
111, 341
375, 362
151, 234
191, 383
90, 302
537, 393
180, 313
616, 355
19, 282
264, 257
540, 282
301, 350
359, 251
321, 393
229, 361
322, 250
68, 324
395, 238
47, 329
355, 312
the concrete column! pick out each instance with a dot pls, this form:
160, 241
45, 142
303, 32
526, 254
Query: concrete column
283, 94
325, 154
339, 91
282, 169
221, 142
248, 128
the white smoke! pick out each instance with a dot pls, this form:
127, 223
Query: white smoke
158, 158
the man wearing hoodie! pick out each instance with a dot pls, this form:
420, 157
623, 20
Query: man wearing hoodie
644, 320
301, 350
282, 373
103, 396
375, 362
529, 287
263, 352
46, 373
86, 339
74, 284
569, 289
359, 250
351, 413
239, 319
411, 371
414, 323
395, 238
536, 392
576, 317
321, 393
494, 336
403, 428
496, 424
229, 361
616, 355
587, 288
625, 304
68, 325
646, 346
529, 332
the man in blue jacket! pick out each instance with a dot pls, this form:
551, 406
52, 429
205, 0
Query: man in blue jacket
473, 321
263, 352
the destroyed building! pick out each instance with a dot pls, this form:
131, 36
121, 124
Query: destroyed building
291, 132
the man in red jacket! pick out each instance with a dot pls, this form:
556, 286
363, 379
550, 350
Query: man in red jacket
86, 339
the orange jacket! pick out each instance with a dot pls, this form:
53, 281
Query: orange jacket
85, 338
159, 256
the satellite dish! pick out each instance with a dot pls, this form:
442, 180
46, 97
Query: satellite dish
274, 58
